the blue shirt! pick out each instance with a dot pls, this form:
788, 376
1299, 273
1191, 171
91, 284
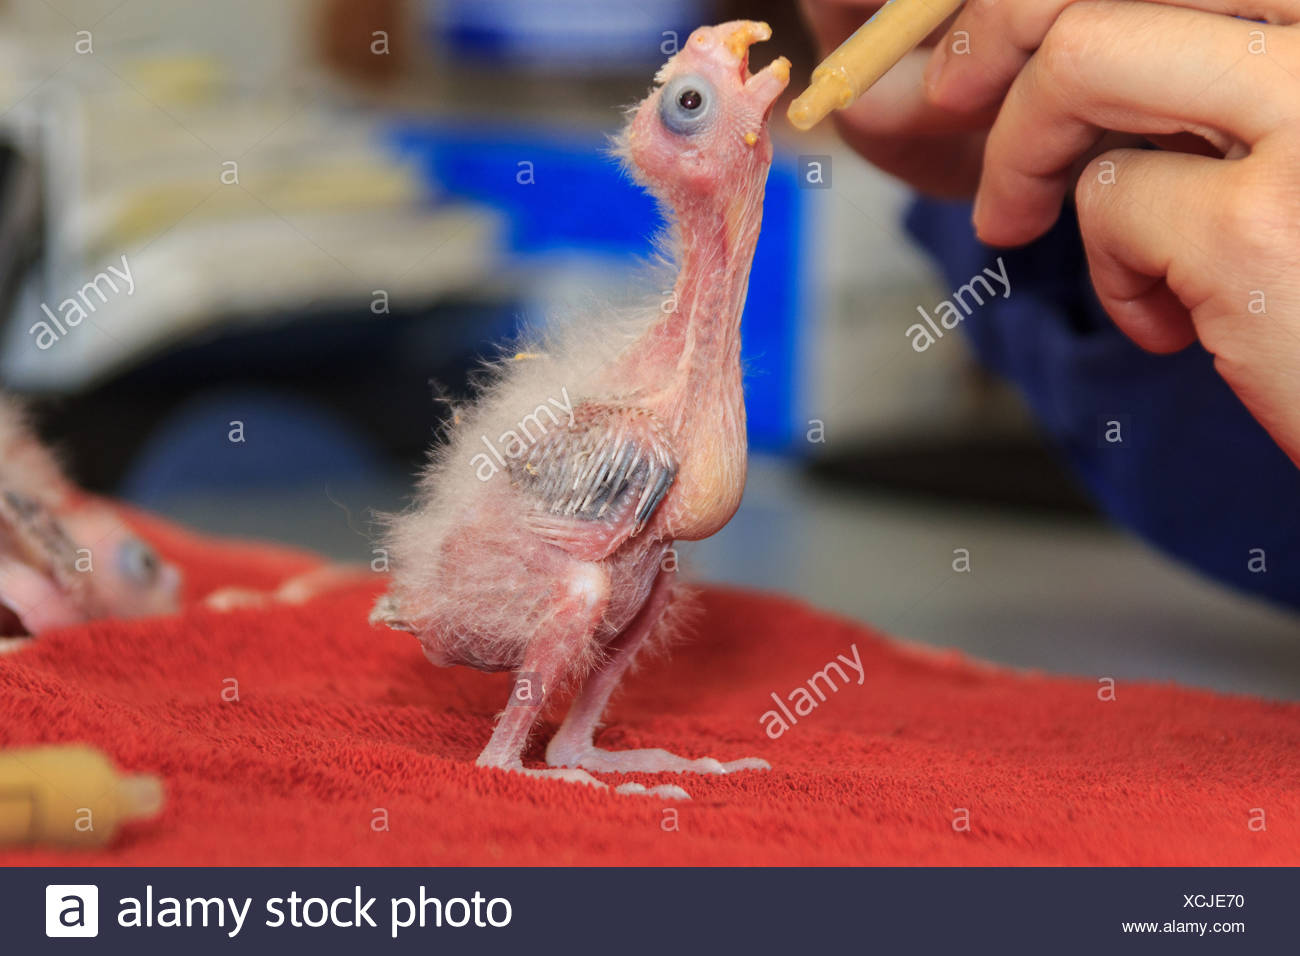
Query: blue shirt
1192, 472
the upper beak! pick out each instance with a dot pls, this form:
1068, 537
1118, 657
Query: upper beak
736, 38
740, 35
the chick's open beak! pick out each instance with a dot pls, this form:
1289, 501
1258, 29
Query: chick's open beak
736, 38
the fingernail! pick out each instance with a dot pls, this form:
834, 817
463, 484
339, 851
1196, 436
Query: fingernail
933, 75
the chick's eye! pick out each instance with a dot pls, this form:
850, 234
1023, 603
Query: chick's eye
686, 105
138, 562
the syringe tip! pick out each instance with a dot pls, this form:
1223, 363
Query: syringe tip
826, 92
141, 796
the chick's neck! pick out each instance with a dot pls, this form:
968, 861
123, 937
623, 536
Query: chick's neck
695, 344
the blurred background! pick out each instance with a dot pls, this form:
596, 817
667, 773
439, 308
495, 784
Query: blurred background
323, 213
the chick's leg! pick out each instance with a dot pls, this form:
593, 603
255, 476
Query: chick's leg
560, 642
574, 743
556, 646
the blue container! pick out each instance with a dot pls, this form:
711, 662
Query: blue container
580, 201
564, 35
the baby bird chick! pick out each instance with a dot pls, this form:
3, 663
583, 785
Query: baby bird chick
65, 556
538, 537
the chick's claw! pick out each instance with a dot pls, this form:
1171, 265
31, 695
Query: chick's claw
566, 774
578, 775
665, 791
650, 760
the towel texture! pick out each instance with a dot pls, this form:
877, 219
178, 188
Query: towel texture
346, 747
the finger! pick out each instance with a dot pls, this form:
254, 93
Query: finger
1201, 224
1120, 67
896, 105
893, 127
1134, 235
992, 40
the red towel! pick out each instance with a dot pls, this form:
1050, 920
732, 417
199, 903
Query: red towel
347, 747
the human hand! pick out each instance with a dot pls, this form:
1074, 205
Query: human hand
1182, 245
893, 124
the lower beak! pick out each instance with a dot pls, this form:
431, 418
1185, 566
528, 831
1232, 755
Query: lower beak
768, 83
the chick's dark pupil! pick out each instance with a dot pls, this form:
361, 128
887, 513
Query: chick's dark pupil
690, 100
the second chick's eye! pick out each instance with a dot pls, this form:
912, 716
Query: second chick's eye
686, 105
138, 562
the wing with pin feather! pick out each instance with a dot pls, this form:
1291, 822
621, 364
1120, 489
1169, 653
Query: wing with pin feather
598, 481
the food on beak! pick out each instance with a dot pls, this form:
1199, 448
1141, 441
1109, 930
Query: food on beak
745, 35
